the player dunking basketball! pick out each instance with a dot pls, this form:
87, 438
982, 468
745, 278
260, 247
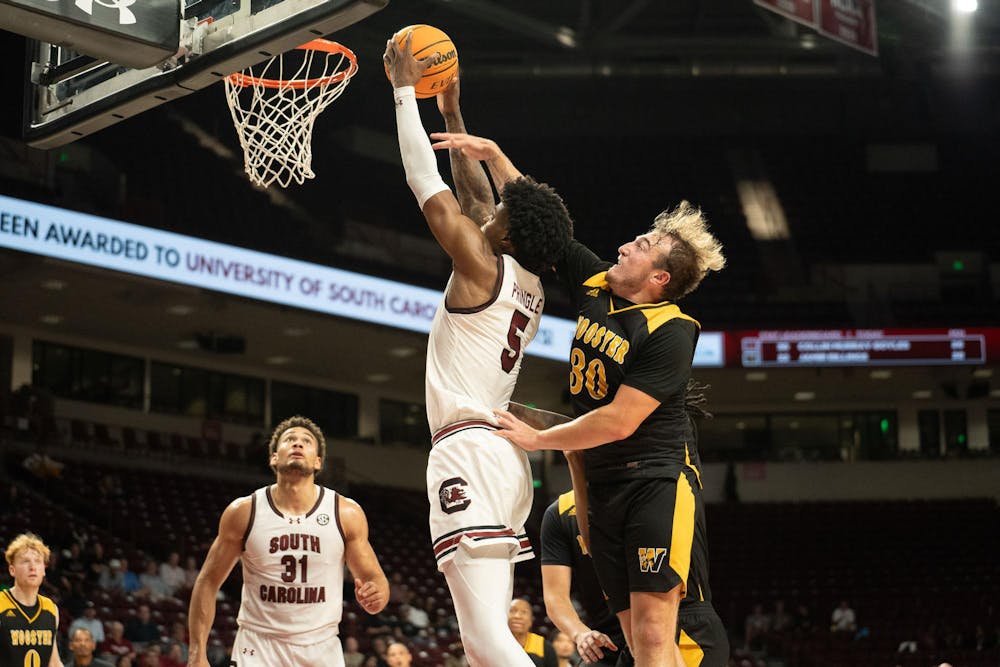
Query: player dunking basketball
479, 485
630, 363
293, 538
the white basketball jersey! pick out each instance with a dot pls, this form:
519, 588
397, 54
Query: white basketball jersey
474, 354
293, 570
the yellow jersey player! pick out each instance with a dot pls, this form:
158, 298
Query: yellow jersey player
28, 621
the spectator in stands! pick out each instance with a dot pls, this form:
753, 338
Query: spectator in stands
190, 572
172, 573
398, 655
803, 619
980, 640
150, 657
125, 661
755, 628
76, 600
564, 647
843, 619
74, 565
378, 649
89, 622
81, 644
519, 619
178, 637
397, 589
781, 620
141, 630
118, 578
352, 656
116, 645
152, 586
415, 615
56, 584
96, 563
172, 657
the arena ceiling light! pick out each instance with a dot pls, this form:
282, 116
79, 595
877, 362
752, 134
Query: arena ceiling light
923, 393
964, 6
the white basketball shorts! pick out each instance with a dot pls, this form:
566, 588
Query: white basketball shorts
479, 488
251, 649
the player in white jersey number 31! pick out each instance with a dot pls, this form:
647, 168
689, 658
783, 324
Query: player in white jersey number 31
293, 538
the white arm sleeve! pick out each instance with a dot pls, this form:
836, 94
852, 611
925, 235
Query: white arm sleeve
419, 160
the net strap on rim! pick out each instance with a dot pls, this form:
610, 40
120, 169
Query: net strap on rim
274, 106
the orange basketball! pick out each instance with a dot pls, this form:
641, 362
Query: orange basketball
428, 40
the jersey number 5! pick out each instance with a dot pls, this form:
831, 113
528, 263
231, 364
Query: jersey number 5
508, 358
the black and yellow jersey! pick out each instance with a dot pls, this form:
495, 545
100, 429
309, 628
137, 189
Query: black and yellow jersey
27, 634
648, 347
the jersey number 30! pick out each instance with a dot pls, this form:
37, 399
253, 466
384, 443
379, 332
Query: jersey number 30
582, 374
508, 358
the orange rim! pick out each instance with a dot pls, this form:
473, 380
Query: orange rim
245, 80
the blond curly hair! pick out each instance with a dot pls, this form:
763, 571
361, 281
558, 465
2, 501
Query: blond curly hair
24, 542
694, 253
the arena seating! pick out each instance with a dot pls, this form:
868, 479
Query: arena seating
912, 570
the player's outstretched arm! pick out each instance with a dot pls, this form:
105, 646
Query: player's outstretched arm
222, 556
502, 170
371, 587
460, 237
472, 186
608, 423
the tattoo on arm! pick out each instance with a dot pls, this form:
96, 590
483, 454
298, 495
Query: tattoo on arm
475, 194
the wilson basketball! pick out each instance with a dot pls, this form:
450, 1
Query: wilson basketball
428, 40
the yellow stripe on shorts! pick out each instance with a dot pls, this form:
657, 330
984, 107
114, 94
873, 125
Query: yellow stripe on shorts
690, 651
682, 536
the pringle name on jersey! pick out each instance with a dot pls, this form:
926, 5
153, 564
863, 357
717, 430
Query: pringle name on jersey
294, 542
531, 301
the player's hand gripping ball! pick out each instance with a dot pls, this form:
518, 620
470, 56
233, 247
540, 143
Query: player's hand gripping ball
428, 40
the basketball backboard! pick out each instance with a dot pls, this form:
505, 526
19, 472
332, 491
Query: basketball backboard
69, 94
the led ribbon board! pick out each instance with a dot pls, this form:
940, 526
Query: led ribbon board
121, 246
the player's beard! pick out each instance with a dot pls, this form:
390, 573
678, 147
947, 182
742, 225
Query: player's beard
296, 468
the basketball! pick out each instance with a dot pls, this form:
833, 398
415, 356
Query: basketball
428, 40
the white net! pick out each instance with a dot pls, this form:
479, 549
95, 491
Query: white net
275, 104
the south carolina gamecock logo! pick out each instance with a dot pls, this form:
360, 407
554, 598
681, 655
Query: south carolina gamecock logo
453, 496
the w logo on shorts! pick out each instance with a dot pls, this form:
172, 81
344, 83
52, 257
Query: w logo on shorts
651, 558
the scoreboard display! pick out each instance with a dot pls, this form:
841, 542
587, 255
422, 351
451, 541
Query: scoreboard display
863, 347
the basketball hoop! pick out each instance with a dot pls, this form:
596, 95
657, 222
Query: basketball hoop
274, 116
